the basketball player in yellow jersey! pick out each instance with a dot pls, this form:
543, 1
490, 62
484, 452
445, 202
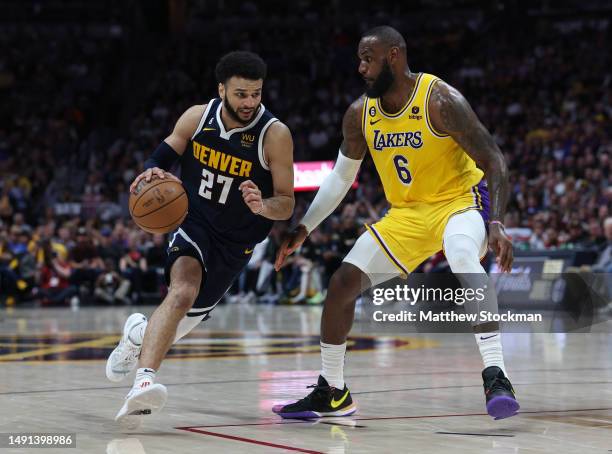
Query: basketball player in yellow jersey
434, 159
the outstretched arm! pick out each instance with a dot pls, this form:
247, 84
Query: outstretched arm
336, 184
451, 114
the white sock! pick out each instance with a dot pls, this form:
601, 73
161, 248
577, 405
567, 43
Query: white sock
490, 348
333, 364
136, 335
144, 374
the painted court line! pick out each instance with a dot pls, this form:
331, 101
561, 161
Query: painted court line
62, 348
250, 440
384, 418
475, 435
272, 380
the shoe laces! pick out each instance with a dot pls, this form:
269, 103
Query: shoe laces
319, 392
132, 355
498, 383
129, 352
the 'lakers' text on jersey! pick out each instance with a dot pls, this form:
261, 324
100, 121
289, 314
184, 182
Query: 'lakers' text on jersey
415, 162
214, 164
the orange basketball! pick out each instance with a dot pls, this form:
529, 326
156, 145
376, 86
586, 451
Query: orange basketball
158, 206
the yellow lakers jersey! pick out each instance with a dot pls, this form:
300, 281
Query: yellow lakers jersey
415, 162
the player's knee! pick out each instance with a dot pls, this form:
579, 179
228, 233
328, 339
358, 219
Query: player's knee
345, 282
463, 258
182, 296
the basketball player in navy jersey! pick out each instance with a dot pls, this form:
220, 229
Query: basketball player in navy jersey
236, 162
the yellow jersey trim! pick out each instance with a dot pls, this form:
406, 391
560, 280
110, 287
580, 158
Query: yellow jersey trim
364, 116
415, 89
477, 202
478, 197
429, 124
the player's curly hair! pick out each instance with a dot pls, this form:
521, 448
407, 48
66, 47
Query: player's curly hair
242, 64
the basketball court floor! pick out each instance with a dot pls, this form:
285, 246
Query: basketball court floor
415, 392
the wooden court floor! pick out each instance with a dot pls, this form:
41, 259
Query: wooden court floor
416, 392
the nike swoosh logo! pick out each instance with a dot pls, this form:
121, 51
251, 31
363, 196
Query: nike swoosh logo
489, 337
336, 403
248, 251
374, 122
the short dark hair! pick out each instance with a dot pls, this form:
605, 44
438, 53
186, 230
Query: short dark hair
242, 64
387, 35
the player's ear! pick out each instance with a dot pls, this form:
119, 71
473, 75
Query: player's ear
393, 55
221, 90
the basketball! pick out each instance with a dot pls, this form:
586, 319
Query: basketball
158, 206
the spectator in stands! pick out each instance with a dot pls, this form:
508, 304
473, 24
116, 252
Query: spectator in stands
550, 116
604, 261
85, 262
132, 266
111, 287
54, 278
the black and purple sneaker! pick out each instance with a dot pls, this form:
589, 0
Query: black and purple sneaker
323, 401
501, 402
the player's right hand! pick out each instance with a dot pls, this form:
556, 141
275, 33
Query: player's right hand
291, 242
148, 175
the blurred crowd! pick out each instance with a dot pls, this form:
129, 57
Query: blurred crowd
84, 105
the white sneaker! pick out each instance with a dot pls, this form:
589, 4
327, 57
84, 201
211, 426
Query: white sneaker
145, 399
124, 357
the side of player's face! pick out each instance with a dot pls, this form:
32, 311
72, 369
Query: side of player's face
241, 97
374, 67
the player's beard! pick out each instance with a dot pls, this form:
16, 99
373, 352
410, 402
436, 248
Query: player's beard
234, 113
382, 83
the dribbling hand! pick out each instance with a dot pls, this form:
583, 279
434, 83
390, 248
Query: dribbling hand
291, 242
148, 174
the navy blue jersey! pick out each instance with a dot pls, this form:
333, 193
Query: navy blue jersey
214, 164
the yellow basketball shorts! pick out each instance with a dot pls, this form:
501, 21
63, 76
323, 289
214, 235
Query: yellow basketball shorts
410, 235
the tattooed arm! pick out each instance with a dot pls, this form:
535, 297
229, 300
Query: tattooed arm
451, 114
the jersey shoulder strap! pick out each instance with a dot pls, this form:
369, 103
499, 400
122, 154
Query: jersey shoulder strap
209, 112
266, 120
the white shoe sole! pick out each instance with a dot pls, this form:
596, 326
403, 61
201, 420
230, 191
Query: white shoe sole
132, 321
141, 404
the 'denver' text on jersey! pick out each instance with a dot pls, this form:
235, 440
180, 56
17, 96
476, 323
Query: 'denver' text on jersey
214, 164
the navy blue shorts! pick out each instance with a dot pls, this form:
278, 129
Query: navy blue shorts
221, 262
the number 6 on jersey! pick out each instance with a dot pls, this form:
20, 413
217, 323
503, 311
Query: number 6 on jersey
401, 165
208, 180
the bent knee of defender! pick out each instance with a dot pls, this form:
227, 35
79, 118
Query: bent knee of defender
345, 284
462, 261
462, 255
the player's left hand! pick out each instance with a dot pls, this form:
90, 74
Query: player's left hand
252, 196
501, 245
